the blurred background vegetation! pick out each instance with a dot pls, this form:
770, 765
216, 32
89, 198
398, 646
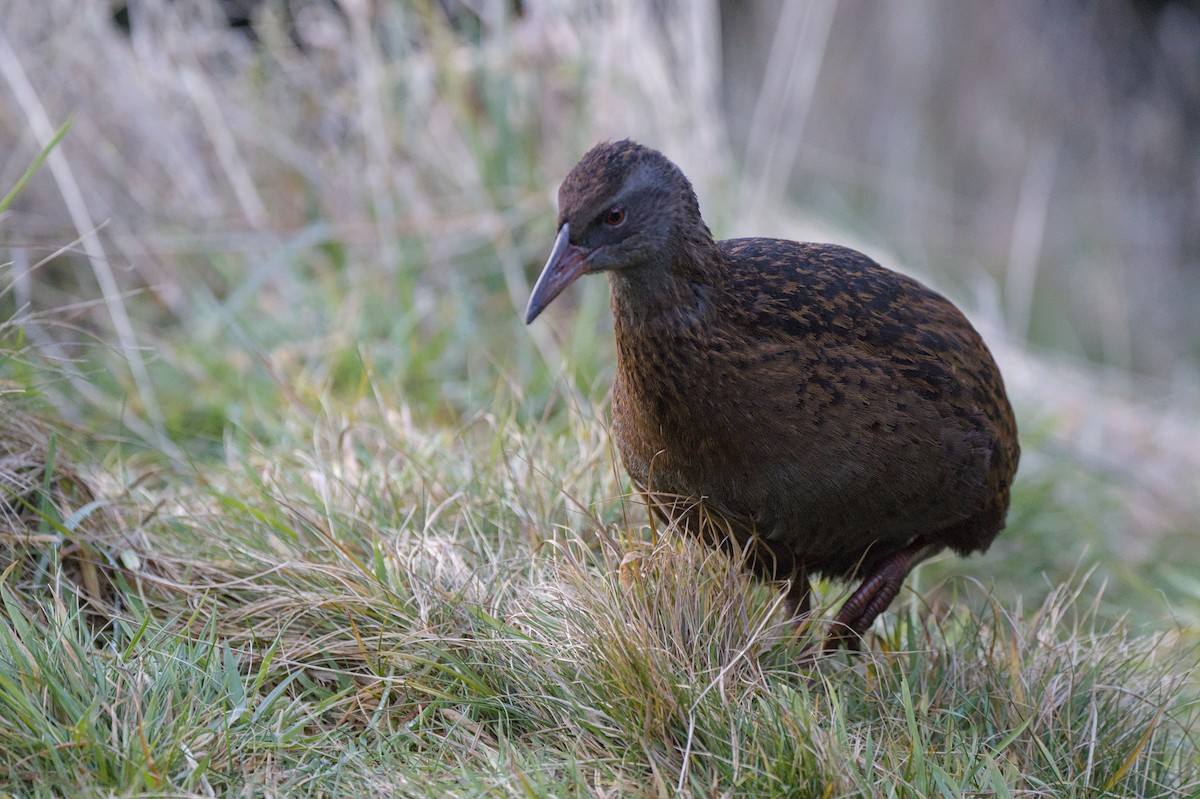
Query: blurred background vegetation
261, 210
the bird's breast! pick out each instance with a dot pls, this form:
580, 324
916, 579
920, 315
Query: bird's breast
692, 410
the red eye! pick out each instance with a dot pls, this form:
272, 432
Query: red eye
614, 216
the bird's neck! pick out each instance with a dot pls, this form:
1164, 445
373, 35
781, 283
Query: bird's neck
674, 293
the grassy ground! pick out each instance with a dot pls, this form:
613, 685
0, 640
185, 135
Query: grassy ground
296, 506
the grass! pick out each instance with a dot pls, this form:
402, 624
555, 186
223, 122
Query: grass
389, 610
374, 540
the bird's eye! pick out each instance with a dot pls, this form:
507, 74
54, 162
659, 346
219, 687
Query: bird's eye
614, 216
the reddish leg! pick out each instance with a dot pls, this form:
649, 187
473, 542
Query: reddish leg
875, 594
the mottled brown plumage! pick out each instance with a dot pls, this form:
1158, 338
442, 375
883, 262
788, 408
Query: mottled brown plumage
839, 418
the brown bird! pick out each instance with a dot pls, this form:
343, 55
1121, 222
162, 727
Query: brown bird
799, 401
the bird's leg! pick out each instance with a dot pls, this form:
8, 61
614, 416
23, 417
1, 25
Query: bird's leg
875, 594
798, 602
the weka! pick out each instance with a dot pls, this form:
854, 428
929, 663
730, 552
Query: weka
800, 401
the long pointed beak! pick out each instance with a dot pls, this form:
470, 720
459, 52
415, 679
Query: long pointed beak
565, 264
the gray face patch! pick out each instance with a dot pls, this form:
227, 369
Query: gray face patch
641, 177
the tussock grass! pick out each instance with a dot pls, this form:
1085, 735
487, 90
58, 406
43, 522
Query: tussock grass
388, 607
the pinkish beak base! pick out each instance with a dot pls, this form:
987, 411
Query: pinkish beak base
566, 263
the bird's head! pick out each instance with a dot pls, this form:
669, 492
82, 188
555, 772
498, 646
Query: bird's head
623, 207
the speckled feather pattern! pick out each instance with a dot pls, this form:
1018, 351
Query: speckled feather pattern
839, 408
825, 407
